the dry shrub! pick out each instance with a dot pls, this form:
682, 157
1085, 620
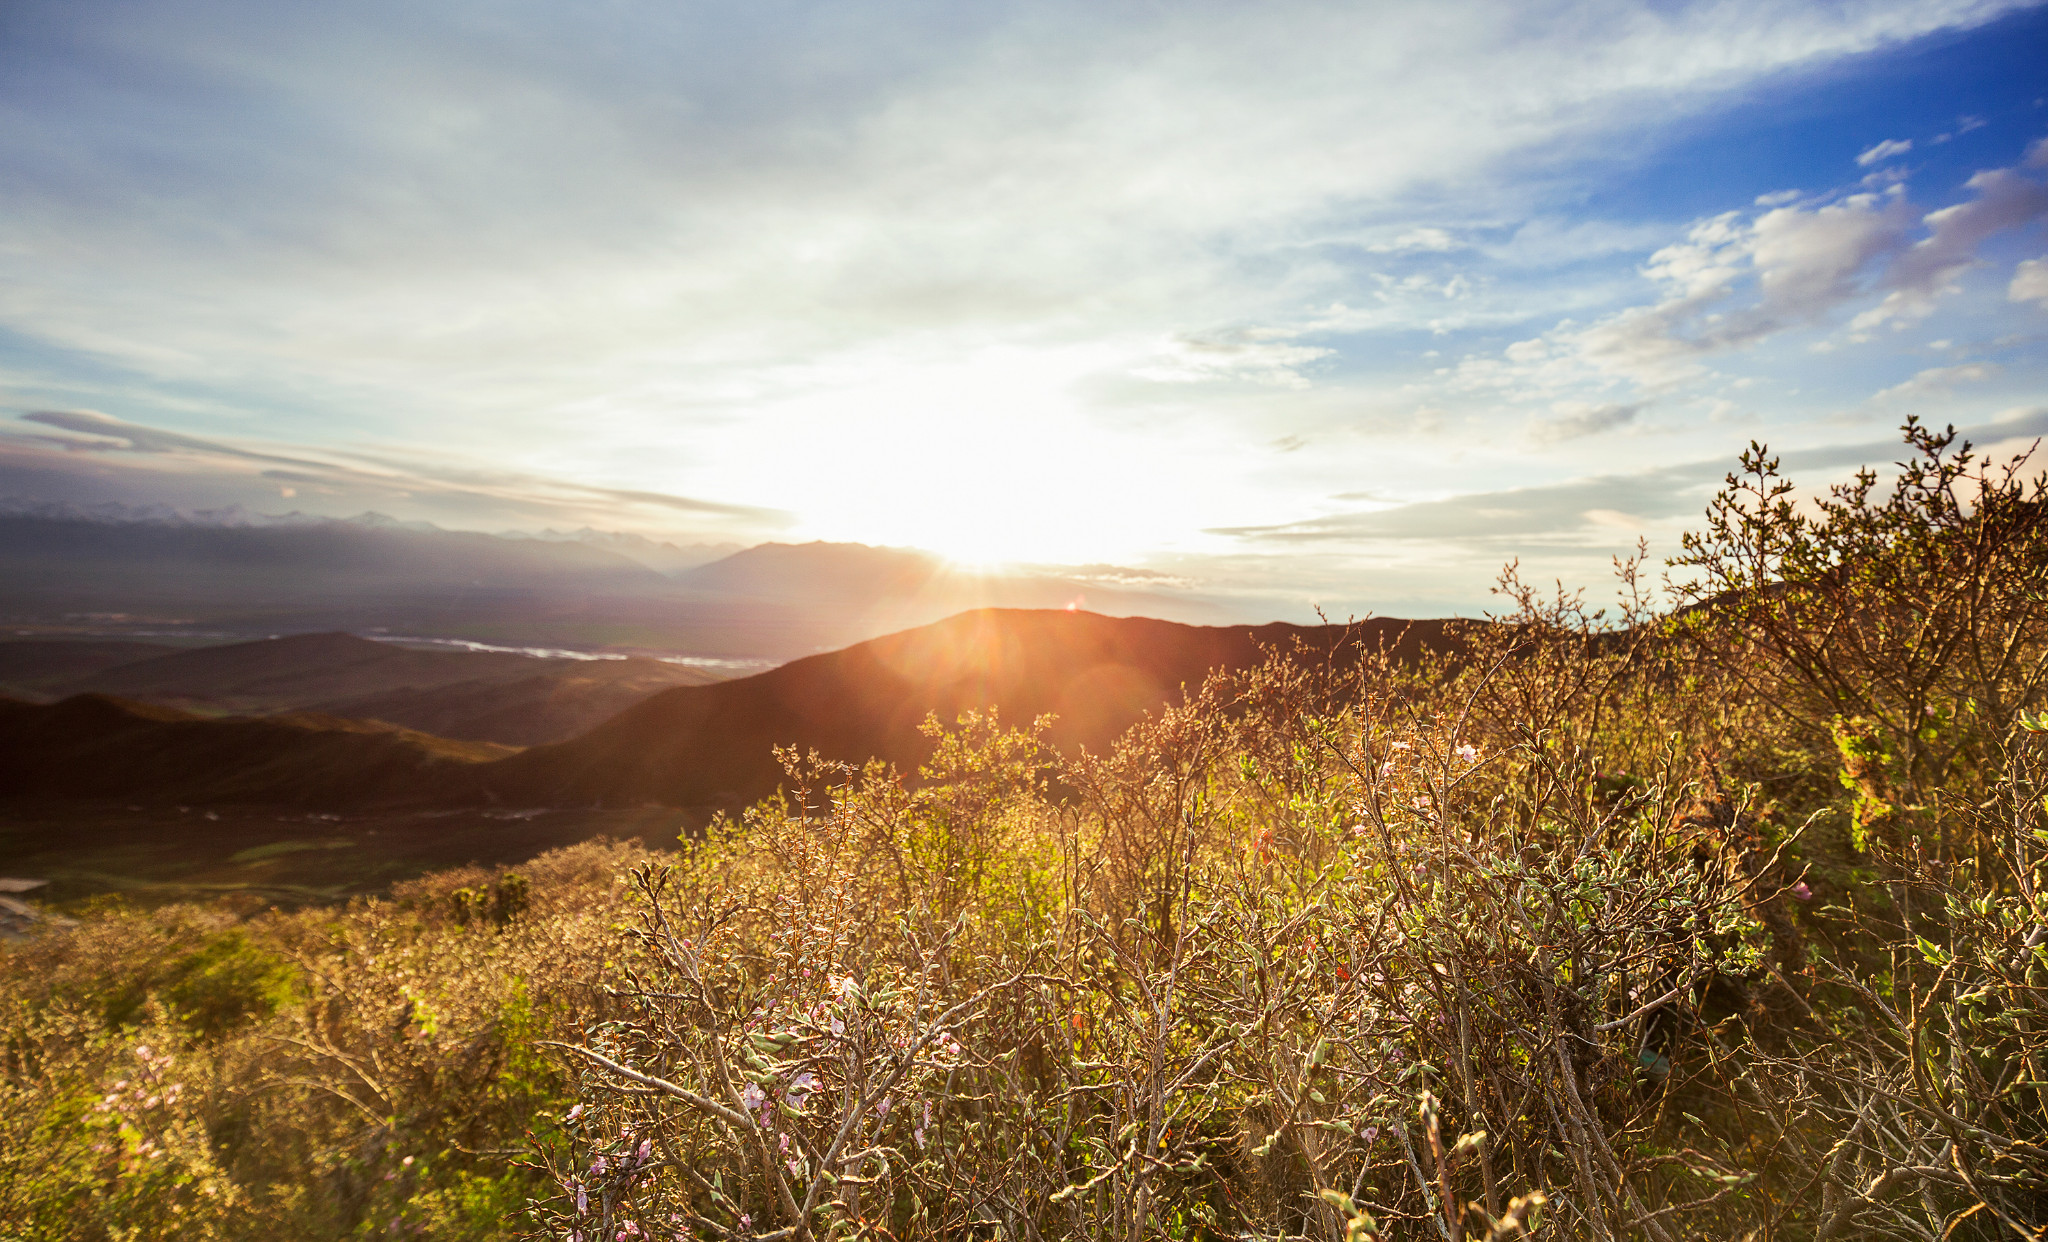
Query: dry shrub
1570, 931
181, 1072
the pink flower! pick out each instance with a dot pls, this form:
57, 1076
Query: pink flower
582, 1202
1802, 892
1469, 753
1372, 1133
574, 1113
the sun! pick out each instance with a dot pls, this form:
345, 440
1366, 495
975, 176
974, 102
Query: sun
989, 463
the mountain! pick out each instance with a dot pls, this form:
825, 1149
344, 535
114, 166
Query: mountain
692, 746
844, 592
107, 566
525, 712
294, 574
105, 749
658, 555
27, 666
479, 696
701, 745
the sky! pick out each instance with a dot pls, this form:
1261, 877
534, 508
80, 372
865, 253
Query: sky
1335, 305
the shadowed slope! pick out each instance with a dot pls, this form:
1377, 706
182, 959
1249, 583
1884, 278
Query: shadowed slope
714, 744
96, 747
527, 712
692, 746
481, 696
33, 665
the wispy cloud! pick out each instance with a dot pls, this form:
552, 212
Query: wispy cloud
1884, 151
1574, 420
1938, 380
200, 472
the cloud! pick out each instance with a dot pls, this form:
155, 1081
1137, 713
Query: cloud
1795, 264
1931, 267
1575, 420
1445, 550
2029, 282
655, 260
1938, 380
1884, 151
546, 209
110, 434
1416, 239
199, 471
1251, 356
1527, 516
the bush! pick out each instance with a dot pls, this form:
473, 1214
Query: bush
1729, 922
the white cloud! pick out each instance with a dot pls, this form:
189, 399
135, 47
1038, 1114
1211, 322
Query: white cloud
2029, 282
1426, 238
2005, 200
1573, 420
1938, 380
1247, 356
1884, 151
1735, 282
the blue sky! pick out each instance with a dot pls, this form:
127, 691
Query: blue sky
1330, 304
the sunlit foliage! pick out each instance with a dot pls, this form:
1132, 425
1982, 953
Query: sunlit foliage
1727, 922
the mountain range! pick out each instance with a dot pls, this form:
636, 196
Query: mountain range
688, 746
480, 696
114, 575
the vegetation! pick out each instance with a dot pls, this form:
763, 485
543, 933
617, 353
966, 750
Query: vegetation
1728, 922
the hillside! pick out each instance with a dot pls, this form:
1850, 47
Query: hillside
100, 748
526, 712
479, 696
713, 744
689, 746
28, 666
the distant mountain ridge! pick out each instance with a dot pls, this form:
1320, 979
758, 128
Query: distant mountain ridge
692, 746
505, 698
370, 573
